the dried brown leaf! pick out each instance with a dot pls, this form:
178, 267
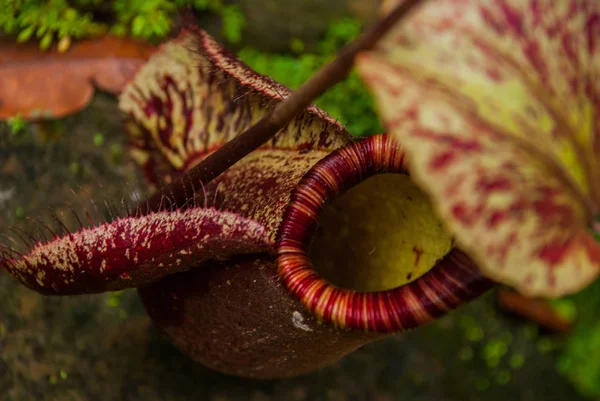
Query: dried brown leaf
42, 84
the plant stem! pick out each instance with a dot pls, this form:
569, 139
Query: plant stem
178, 192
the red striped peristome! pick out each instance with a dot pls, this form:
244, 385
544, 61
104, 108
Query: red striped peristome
453, 281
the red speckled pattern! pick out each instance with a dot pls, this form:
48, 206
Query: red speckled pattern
496, 103
452, 282
133, 252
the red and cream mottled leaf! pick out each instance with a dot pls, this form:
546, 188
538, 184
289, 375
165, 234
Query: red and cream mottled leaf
496, 103
134, 252
194, 96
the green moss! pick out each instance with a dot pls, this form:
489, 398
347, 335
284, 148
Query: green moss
566, 308
579, 360
503, 377
349, 101
517, 361
114, 299
98, 139
494, 351
17, 125
546, 345
44, 20
19, 213
48, 21
75, 168
474, 333
116, 154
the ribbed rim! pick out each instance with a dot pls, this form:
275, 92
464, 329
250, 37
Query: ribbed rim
455, 280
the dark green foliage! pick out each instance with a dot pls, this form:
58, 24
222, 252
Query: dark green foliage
49, 20
580, 358
349, 101
17, 125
